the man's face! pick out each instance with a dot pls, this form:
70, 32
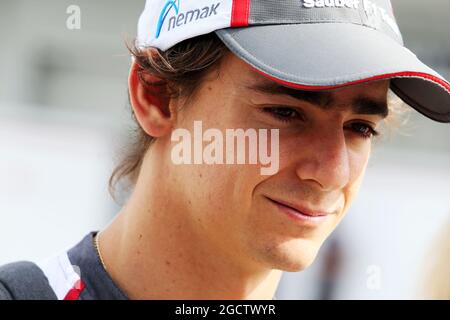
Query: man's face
324, 146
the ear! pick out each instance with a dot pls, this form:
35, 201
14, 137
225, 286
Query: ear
150, 104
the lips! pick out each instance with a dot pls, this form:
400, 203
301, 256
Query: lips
299, 212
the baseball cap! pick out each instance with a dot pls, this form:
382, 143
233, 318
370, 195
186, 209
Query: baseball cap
305, 44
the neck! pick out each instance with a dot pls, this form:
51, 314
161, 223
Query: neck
153, 251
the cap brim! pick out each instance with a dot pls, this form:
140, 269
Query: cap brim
332, 55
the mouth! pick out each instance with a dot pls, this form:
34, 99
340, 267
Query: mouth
300, 213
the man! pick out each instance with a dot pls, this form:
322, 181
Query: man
314, 74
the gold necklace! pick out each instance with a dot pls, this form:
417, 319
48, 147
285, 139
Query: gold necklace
97, 248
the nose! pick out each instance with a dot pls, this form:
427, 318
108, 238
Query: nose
325, 160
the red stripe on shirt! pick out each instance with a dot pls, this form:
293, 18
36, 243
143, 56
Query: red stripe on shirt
75, 292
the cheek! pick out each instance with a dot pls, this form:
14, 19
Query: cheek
358, 164
224, 189
218, 199
216, 193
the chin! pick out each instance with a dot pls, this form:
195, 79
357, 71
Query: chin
296, 264
293, 256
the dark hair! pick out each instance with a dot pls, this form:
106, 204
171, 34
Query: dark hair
181, 69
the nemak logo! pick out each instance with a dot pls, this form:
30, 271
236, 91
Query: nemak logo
182, 18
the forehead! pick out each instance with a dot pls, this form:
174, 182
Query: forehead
367, 98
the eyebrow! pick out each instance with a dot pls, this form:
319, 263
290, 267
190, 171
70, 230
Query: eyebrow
324, 99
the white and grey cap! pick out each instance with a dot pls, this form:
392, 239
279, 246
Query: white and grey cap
306, 44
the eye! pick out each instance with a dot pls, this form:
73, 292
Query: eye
365, 130
284, 114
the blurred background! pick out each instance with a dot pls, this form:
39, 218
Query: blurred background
64, 119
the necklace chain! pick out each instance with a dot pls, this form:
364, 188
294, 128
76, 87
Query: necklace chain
97, 248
